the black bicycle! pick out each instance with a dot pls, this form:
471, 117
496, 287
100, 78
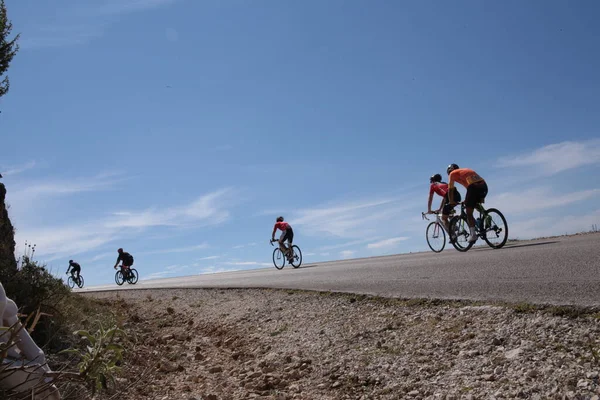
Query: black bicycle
73, 280
490, 226
279, 258
129, 275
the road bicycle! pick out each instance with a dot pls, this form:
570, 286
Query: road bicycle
279, 258
435, 233
72, 281
490, 226
129, 275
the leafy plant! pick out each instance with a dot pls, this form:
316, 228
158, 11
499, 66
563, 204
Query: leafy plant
101, 357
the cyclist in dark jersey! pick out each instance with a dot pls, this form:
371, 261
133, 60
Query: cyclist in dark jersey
74, 268
125, 258
287, 234
441, 188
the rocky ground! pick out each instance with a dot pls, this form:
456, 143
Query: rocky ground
281, 344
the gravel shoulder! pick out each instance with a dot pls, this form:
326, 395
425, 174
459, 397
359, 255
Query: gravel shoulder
284, 344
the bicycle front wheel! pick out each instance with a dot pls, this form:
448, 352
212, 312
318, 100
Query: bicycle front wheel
278, 258
495, 228
297, 258
436, 237
133, 276
80, 282
119, 278
459, 233
71, 282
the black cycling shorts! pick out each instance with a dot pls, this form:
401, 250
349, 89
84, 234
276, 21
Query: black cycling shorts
287, 235
456, 198
476, 193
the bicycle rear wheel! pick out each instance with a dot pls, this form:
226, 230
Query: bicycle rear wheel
436, 237
459, 233
80, 281
278, 258
297, 259
71, 282
133, 276
119, 278
495, 228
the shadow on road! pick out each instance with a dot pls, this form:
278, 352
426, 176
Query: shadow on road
529, 244
308, 266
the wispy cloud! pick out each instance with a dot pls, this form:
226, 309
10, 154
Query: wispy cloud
558, 157
76, 23
347, 253
554, 225
179, 249
350, 219
538, 199
241, 246
213, 270
209, 258
246, 263
347, 244
16, 169
31, 190
80, 237
115, 7
206, 210
387, 243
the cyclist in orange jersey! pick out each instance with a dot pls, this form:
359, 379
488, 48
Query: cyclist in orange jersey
476, 187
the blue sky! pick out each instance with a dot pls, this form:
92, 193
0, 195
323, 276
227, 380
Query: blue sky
179, 129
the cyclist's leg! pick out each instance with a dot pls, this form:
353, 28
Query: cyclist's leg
282, 245
290, 239
475, 194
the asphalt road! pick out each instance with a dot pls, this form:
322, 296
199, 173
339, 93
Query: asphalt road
563, 270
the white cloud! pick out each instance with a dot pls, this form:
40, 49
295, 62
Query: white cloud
351, 219
113, 7
206, 210
537, 199
31, 191
209, 258
555, 225
347, 244
558, 157
16, 169
80, 237
213, 270
77, 23
387, 243
347, 253
246, 263
179, 249
241, 246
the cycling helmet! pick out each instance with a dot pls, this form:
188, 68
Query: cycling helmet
120, 251
70, 261
451, 168
435, 178
279, 219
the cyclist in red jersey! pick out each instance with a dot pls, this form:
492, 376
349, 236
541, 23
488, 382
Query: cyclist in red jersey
441, 188
287, 234
477, 190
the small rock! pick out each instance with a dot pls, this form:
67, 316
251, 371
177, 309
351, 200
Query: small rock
170, 310
512, 354
532, 373
215, 369
336, 384
294, 388
488, 377
413, 393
